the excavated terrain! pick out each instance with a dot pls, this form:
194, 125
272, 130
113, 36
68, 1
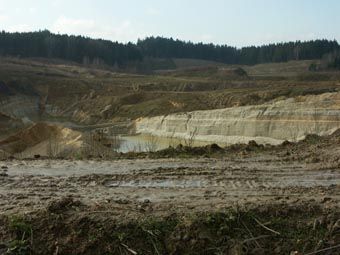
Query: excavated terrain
241, 199
274, 122
32, 90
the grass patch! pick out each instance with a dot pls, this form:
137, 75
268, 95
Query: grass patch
22, 233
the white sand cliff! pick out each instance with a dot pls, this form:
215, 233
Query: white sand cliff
290, 119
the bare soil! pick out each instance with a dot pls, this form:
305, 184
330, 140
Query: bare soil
246, 199
192, 184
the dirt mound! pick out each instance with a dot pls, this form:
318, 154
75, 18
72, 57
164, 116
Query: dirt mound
39, 139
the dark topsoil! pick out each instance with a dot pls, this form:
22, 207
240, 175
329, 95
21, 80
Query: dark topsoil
68, 227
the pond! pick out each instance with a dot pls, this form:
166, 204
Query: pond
147, 143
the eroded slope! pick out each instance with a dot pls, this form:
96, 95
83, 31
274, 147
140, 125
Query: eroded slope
290, 119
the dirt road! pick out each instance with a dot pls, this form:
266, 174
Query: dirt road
166, 184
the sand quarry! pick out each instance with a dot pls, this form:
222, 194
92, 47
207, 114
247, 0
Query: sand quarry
64, 189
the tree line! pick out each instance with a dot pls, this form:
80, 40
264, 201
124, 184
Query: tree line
80, 49
94, 51
280, 52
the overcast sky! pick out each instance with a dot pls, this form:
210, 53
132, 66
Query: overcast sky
232, 22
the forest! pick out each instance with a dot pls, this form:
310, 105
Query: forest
85, 50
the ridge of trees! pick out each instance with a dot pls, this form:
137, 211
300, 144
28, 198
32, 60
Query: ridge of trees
74, 48
97, 51
281, 52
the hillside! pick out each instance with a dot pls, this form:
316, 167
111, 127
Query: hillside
37, 90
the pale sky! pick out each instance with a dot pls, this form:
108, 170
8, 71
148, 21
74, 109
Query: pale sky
232, 22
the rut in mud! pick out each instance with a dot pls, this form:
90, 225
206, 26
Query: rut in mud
200, 183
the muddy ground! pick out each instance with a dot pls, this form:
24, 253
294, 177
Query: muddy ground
242, 200
176, 184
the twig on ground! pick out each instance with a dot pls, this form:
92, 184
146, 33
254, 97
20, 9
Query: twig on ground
255, 238
265, 227
129, 249
251, 234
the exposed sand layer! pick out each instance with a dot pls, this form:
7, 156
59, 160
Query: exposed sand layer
41, 139
290, 119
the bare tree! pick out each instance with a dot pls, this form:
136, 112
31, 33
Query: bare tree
152, 144
53, 147
189, 142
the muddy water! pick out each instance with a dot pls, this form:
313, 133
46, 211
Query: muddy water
135, 143
147, 143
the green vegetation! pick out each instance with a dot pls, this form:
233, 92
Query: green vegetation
22, 233
329, 61
84, 50
74, 48
333, 60
169, 48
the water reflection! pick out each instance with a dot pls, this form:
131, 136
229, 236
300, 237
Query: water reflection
147, 143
